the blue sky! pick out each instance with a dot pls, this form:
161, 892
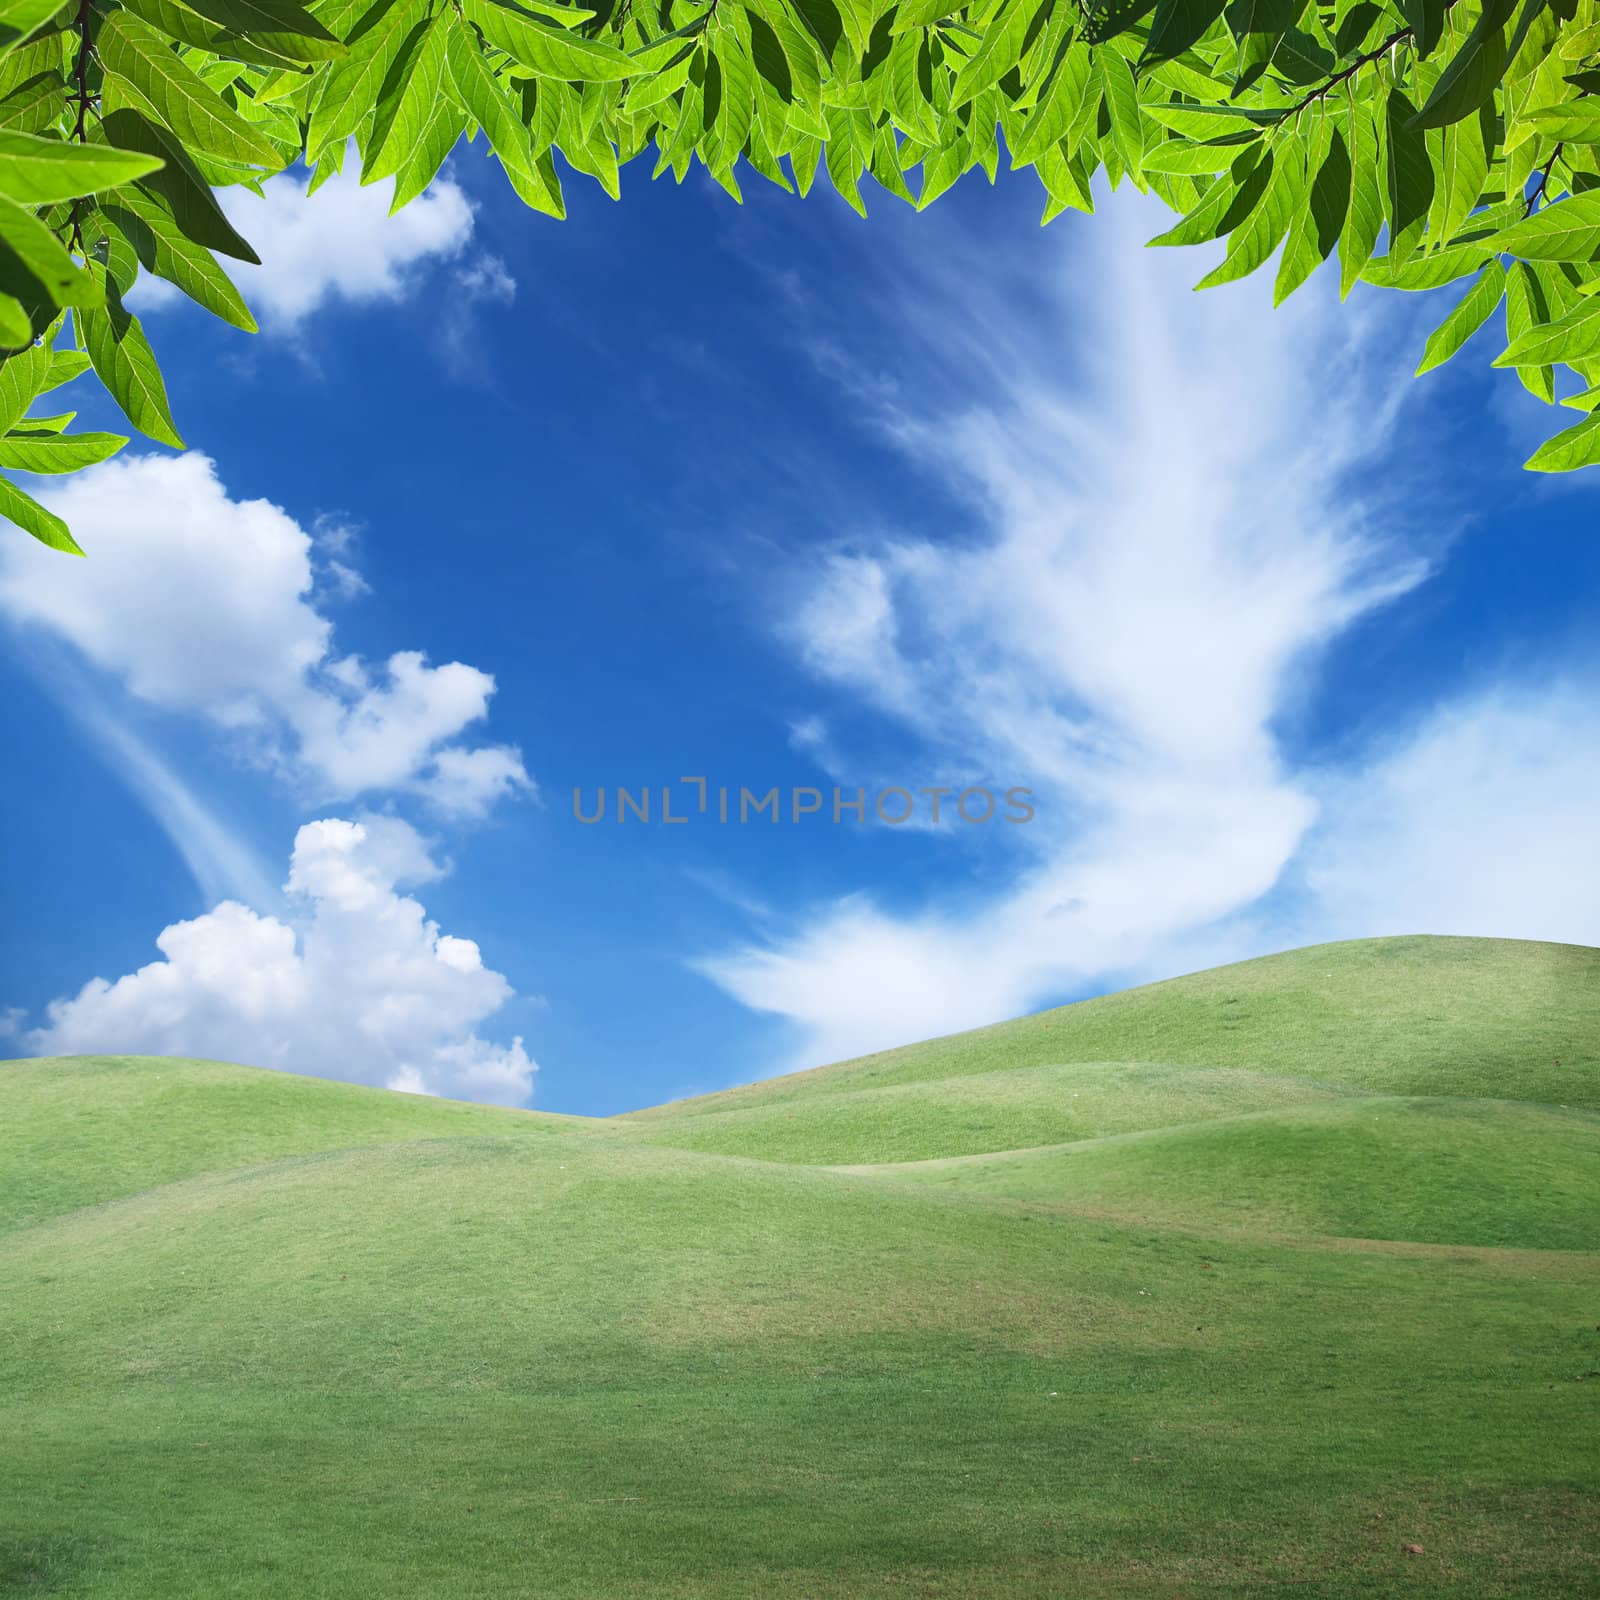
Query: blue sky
1285, 646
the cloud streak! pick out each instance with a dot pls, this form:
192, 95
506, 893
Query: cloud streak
1171, 525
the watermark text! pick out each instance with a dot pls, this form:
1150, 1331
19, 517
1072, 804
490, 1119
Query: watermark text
693, 798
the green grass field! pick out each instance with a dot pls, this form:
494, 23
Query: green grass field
1240, 1284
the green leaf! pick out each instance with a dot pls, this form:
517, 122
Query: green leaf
1176, 25
1569, 230
909, 87
1065, 183
767, 54
23, 378
1207, 121
1579, 446
439, 137
178, 186
592, 154
1580, 44
1363, 220
1227, 203
1526, 310
350, 87
996, 54
1122, 100
164, 250
1106, 20
738, 113
19, 19
65, 365
181, 22
1254, 240
564, 16
46, 453
1474, 308
1407, 173
799, 50
1463, 171
1473, 72
126, 365
144, 74
55, 424
281, 26
31, 517
1425, 18
922, 13
34, 105
885, 165
1259, 27
1431, 271
16, 323
1049, 121
39, 172
1577, 122
33, 260
941, 169
490, 106
1181, 158
1571, 338
407, 102
547, 51
859, 18
1315, 229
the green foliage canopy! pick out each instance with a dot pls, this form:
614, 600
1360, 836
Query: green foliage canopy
1465, 134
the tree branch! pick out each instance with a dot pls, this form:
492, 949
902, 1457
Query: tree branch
1544, 181
80, 133
1345, 73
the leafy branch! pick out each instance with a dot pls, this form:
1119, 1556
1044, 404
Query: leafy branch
1323, 90
120, 118
80, 73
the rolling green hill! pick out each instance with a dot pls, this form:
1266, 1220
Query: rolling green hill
1495, 1018
1235, 1285
92, 1128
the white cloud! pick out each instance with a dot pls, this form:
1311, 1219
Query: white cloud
338, 244
1481, 821
203, 604
1172, 526
353, 982
488, 279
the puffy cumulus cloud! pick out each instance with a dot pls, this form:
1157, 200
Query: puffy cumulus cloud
227, 596
354, 982
1168, 534
339, 244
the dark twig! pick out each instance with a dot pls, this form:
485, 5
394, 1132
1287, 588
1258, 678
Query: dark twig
1544, 182
80, 131
1322, 90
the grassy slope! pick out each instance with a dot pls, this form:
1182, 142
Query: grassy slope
1501, 1018
336, 1343
1477, 1172
87, 1129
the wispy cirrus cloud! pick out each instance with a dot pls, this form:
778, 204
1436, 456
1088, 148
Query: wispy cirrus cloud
1172, 507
